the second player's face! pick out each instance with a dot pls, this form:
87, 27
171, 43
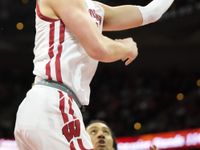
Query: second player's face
101, 136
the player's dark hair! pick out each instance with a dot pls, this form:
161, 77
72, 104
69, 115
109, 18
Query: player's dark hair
112, 134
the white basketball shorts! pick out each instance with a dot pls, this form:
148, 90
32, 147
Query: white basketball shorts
49, 119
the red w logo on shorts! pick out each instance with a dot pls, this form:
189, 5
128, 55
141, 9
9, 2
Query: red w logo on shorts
71, 130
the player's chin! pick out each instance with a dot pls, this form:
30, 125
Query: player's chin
101, 147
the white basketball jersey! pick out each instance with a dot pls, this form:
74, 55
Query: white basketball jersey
60, 57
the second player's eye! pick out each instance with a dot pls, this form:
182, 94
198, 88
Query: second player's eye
93, 132
106, 132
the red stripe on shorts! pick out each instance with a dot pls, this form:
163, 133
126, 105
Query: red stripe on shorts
71, 129
80, 144
62, 107
51, 47
60, 48
72, 147
71, 111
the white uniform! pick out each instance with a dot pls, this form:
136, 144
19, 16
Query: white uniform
49, 118
60, 57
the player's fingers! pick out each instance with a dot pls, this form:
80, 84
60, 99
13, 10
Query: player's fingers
128, 61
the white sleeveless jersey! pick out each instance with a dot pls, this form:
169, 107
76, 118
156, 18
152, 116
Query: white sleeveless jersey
60, 57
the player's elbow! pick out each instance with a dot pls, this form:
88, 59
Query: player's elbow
97, 53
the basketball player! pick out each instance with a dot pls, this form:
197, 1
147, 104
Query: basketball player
101, 136
68, 46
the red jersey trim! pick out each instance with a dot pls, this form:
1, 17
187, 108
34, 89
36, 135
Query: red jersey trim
60, 49
62, 107
51, 47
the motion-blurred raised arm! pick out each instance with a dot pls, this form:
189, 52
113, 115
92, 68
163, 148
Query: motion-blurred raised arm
77, 19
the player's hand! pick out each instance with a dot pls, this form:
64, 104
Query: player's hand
131, 50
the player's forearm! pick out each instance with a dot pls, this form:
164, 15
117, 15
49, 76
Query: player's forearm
95, 44
112, 50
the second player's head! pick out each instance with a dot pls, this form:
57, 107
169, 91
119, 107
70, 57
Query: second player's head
101, 135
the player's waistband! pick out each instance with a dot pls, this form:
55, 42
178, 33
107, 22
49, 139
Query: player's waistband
61, 87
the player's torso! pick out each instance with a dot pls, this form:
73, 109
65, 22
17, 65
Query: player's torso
60, 57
